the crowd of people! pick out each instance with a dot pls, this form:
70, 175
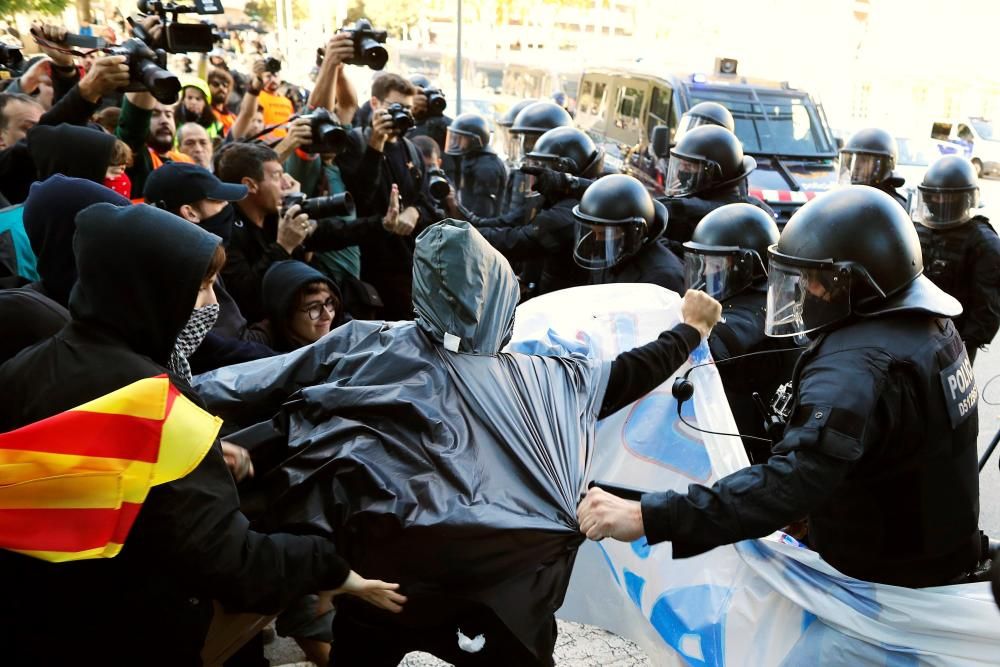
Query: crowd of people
236, 224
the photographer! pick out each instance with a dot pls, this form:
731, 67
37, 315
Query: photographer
264, 234
376, 160
428, 112
148, 127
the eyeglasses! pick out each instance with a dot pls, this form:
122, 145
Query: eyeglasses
315, 310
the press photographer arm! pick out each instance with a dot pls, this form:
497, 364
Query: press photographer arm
333, 91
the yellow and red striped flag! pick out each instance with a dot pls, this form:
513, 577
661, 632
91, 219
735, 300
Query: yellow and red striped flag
72, 485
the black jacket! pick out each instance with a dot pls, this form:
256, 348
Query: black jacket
743, 333
139, 274
280, 294
482, 179
654, 263
880, 453
252, 250
687, 212
965, 262
549, 238
28, 317
386, 258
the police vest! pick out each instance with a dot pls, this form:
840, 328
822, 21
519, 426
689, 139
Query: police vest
946, 254
908, 511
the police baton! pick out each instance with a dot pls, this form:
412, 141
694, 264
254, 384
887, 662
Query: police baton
989, 451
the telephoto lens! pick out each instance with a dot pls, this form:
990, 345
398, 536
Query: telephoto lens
147, 70
318, 208
437, 184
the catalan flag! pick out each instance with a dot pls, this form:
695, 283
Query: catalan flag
72, 485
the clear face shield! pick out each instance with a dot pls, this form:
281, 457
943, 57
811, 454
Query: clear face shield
601, 245
864, 168
804, 296
720, 272
688, 123
460, 143
520, 186
941, 209
521, 143
687, 177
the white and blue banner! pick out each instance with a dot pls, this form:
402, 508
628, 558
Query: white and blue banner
757, 603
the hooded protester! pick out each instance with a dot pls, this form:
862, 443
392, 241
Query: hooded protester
28, 317
80, 152
440, 460
302, 306
141, 272
50, 221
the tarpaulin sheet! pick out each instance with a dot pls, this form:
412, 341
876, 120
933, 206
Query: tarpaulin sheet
456, 474
760, 602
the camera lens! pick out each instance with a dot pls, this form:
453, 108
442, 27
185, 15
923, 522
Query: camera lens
329, 138
164, 86
438, 184
334, 206
374, 54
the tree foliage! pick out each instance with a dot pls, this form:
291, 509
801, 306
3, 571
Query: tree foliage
265, 11
11, 7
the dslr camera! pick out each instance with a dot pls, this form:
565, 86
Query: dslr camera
272, 65
438, 184
318, 208
328, 136
368, 49
402, 119
147, 70
436, 103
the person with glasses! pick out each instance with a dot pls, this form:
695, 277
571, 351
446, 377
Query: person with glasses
302, 306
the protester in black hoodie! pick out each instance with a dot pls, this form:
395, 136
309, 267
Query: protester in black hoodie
302, 305
28, 317
140, 272
50, 222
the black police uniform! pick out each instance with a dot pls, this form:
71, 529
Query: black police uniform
653, 263
687, 212
859, 461
964, 261
483, 178
743, 333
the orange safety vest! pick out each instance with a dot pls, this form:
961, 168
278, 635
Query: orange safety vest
172, 156
277, 109
72, 485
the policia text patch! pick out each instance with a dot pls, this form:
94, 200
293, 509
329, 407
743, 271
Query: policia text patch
960, 391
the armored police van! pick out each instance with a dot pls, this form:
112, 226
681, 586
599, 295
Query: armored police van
781, 127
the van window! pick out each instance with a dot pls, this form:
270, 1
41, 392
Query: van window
984, 128
591, 105
965, 134
659, 109
629, 108
941, 131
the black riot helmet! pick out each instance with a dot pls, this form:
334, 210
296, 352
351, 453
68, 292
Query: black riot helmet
505, 140
468, 133
532, 122
727, 252
948, 195
706, 158
568, 150
614, 219
868, 157
852, 251
420, 81
516, 108
705, 113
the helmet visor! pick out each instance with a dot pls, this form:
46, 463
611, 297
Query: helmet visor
721, 274
864, 168
521, 144
941, 209
686, 177
804, 298
601, 246
460, 143
519, 186
688, 123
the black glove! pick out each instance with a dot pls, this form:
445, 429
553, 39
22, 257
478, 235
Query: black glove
555, 185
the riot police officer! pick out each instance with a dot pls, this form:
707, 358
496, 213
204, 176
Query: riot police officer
707, 170
727, 258
961, 249
542, 231
531, 123
618, 227
482, 176
705, 113
504, 138
880, 451
868, 158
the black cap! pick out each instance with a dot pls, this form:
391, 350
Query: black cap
178, 183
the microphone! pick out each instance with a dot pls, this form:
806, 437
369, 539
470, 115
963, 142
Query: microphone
683, 389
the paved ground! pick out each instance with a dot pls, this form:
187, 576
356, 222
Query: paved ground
577, 646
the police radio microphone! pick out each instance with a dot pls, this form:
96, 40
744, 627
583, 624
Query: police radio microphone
683, 389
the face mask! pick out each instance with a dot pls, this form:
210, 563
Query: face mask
121, 184
198, 325
220, 224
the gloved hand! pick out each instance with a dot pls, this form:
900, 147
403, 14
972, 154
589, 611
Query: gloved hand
555, 185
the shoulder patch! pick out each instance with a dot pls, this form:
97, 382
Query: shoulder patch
960, 391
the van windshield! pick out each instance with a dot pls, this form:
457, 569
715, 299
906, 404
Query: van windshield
985, 129
772, 123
